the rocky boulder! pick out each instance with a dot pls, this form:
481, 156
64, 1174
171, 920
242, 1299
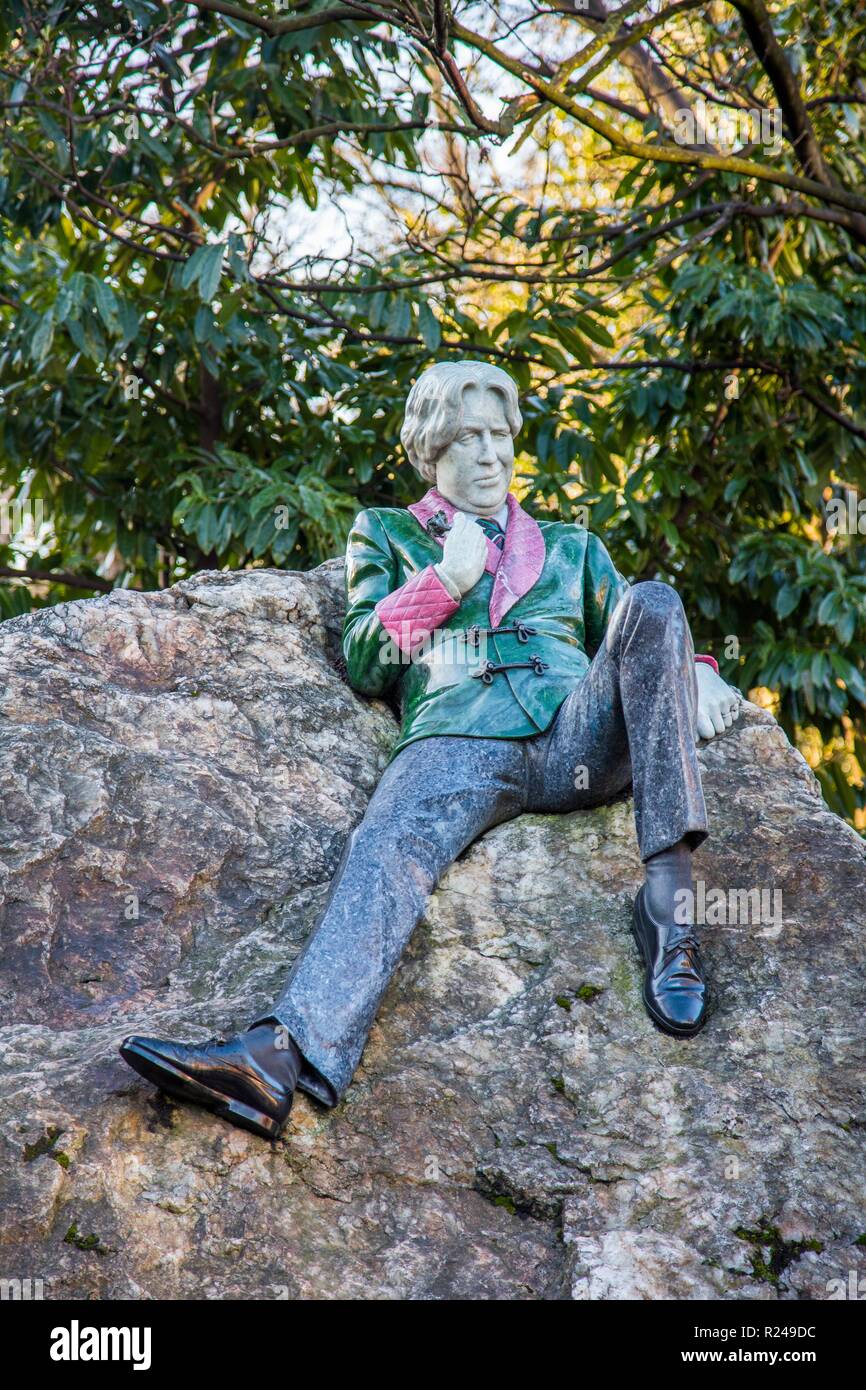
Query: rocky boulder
178, 772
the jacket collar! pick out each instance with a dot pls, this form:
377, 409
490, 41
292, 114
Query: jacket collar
516, 567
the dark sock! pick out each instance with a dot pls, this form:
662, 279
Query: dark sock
275, 1052
667, 873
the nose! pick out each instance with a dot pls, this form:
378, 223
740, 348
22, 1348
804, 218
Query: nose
486, 450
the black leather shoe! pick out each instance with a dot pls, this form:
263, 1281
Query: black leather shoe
674, 991
246, 1079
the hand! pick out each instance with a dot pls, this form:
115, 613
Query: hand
718, 703
464, 554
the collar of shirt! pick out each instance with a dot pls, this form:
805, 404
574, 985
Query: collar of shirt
501, 516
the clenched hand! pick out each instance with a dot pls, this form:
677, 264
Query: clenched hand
464, 554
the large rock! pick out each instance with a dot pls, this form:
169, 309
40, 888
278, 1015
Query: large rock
178, 772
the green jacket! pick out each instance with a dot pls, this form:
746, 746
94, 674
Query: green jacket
403, 630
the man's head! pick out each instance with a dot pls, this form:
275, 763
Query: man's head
459, 428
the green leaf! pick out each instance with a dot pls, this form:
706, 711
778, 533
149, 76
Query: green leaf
106, 304
55, 134
429, 327
596, 332
42, 339
787, 599
210, 271
204, 266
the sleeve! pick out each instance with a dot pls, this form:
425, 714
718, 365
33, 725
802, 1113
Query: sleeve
384, 624
603, 587
452, 588
708, 661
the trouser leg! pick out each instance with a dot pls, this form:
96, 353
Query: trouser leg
632, 718
434, 799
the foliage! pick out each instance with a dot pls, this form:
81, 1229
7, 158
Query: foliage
184, 385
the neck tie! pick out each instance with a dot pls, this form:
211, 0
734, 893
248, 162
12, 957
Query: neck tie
492, 530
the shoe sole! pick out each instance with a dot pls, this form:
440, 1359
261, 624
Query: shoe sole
663, 1025
169, 1078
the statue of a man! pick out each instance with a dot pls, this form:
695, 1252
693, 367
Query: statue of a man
531, 677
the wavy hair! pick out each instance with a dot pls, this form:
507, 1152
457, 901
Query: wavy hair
434, 409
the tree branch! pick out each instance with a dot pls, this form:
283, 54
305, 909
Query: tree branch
72, 581
660, 152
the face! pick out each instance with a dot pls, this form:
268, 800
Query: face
474, 472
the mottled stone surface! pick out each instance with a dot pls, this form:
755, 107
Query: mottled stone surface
177, 775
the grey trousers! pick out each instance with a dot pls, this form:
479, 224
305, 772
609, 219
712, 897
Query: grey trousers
632, 718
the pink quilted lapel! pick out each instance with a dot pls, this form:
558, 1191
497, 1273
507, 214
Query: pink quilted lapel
516, 568
522, 561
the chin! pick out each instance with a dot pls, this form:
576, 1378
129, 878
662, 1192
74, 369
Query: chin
487, 503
